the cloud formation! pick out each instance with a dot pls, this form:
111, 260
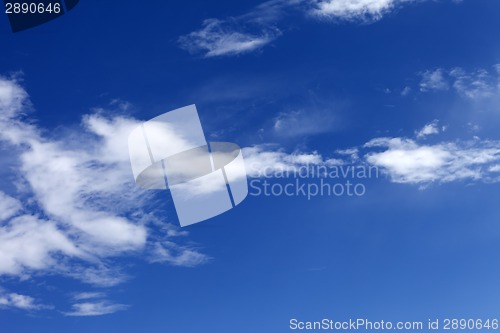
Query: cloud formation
260, 26
262, 160
225, 38
238, 34
474, 84
93, 304
17, 301
402, 159
429, 129
434, 80
407, 161
302, 123
356, 10
74, 206
95, 309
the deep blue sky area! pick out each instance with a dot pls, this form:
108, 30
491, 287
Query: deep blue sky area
131, 52
404, 251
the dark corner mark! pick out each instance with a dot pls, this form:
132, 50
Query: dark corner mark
27, 14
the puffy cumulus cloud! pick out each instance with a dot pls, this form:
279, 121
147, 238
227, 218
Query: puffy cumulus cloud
76, 206
407, 161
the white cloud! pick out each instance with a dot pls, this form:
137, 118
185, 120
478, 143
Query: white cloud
176, 255
93, 304
23, 302
474, 85
495, 168
13, 98
76, 205
29, 243
74, 185
8, 206
434, 80
429, 129
406, 161
88, 295
264, 160
257, 28
219, 38
239, 34
356, 10
406, 91
95, 309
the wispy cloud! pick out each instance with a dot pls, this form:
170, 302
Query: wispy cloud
474, 84
407, 161
406, 91
170, 252
259, 27
434, 80
303, 122
76, 206
238, 34
95, 309
88, 295
220, 38
17, 301
403, 159
8, 206
91, 304
262, 160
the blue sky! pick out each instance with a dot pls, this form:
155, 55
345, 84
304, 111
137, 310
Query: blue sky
410, 87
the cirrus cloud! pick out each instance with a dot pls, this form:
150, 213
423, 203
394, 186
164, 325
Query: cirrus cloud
260, 26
